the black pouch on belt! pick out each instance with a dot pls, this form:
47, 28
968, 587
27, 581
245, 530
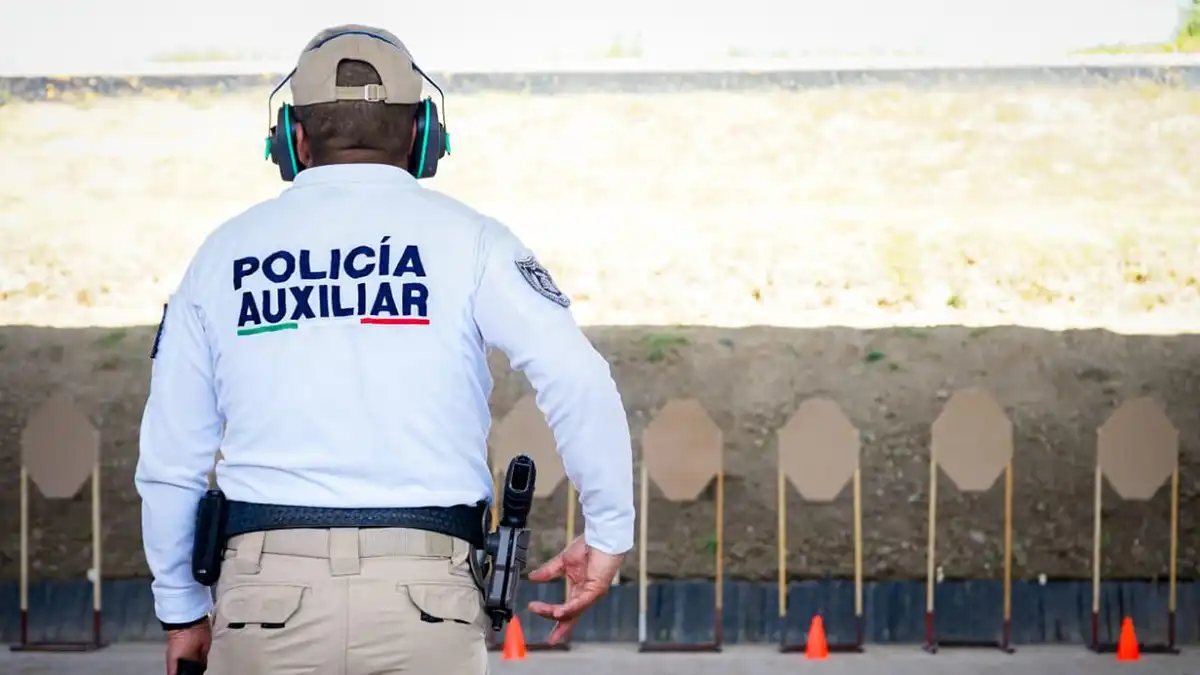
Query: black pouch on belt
208, 546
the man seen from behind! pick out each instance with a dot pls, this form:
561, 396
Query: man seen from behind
331, 342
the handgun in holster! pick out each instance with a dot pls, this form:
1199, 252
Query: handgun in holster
208, 544
499, 565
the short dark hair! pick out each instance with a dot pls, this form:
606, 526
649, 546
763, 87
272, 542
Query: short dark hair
334, 128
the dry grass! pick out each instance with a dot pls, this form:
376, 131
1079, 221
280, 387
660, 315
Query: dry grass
849, 207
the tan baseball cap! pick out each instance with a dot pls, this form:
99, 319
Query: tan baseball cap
315, 79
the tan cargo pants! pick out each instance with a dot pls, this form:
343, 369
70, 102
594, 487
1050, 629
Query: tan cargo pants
347, 602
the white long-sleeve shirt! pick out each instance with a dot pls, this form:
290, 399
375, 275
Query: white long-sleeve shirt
339, 332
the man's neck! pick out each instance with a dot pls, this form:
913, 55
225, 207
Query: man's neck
363, 157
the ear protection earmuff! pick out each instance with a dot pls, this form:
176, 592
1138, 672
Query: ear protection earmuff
432, 141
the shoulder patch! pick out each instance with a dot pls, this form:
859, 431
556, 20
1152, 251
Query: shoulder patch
541, 281
159, 333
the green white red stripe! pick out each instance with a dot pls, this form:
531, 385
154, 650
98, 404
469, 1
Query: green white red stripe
364, 321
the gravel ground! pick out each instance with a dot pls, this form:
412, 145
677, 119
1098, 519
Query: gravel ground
602, 660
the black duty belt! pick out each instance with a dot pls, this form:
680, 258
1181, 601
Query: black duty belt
461, 522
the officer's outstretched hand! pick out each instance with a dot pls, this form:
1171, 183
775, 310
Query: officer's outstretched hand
589, 575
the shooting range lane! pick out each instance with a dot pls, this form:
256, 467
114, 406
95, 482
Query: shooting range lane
682, 452
972, 441
1137, 450
60, 449
819, 450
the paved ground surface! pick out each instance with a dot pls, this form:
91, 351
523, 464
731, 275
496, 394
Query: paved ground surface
623, 659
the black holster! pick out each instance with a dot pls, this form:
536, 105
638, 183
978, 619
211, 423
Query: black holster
208, 544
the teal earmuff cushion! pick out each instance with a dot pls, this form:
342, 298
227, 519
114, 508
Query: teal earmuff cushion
423, 151
291, 143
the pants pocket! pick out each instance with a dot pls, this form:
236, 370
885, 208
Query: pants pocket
269, 606
442, 603
262, 628
442, 631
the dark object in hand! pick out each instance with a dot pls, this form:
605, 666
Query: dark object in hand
186, 667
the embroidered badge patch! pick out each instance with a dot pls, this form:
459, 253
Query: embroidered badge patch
158, 334
541, 281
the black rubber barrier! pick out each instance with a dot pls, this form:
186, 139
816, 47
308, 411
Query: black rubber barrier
1058, 612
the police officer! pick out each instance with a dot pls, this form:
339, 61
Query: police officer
331, 342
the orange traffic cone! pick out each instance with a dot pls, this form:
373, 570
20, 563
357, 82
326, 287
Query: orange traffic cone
817, 648
1127, 645
514, 641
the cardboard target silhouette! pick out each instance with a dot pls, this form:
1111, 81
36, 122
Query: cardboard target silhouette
60, 450
819, 450
523, 431
972, 441
682, 451
1137, 449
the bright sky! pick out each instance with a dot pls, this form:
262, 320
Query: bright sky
49, 35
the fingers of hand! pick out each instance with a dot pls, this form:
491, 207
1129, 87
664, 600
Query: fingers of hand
566, 611
543, 609
582, 597
550, 571
591, 573
560, 632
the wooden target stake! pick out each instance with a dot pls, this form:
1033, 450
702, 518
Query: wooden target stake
719, 559
683, 428
643, 545
1173, 580
1137, 448
931, 551
1008, 555
970, 414
24, 584
781, 528
569, 533
96, 555
1097, 533
858, 561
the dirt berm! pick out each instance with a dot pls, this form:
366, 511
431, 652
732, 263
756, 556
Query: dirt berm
1057, 389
